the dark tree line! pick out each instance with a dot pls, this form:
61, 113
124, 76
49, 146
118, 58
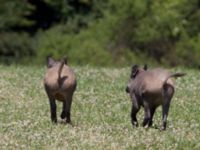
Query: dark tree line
118, 32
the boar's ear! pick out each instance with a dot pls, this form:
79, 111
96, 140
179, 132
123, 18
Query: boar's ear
134, 71
145, 67
65, 60
50, 61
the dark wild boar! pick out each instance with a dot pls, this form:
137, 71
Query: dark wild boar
60, 84
150, 89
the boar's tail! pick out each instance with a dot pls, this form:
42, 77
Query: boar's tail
60, 70
175, 75
178, 75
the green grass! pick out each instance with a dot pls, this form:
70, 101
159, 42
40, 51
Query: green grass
100, 113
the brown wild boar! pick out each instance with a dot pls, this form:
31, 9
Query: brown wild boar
60, 84
150, 89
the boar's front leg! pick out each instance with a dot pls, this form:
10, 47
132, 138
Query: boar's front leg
63, 114
152, 111
134, 110
147, 114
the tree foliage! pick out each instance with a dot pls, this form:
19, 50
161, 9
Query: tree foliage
107, 32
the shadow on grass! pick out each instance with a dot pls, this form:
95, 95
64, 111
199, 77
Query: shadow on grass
63, 122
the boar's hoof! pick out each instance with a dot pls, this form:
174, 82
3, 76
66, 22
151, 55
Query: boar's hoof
135, 124
62, 116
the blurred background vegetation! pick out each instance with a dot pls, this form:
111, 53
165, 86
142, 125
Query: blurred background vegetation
101, 32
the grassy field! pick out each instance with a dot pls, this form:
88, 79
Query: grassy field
100, 113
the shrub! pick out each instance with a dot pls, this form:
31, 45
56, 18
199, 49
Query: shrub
14, 47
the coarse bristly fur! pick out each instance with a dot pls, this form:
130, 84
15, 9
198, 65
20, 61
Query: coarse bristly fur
60, 84
150, 89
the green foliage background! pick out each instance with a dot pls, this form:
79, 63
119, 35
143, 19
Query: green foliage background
102, 33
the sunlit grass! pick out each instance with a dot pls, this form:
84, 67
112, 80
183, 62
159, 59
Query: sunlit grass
100, 113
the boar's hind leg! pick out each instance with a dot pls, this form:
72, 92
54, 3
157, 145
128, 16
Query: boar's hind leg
52, 104
66, 109
168, 94
134, 110
53, 110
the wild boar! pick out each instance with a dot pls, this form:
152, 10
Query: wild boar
150, 89
60, 84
